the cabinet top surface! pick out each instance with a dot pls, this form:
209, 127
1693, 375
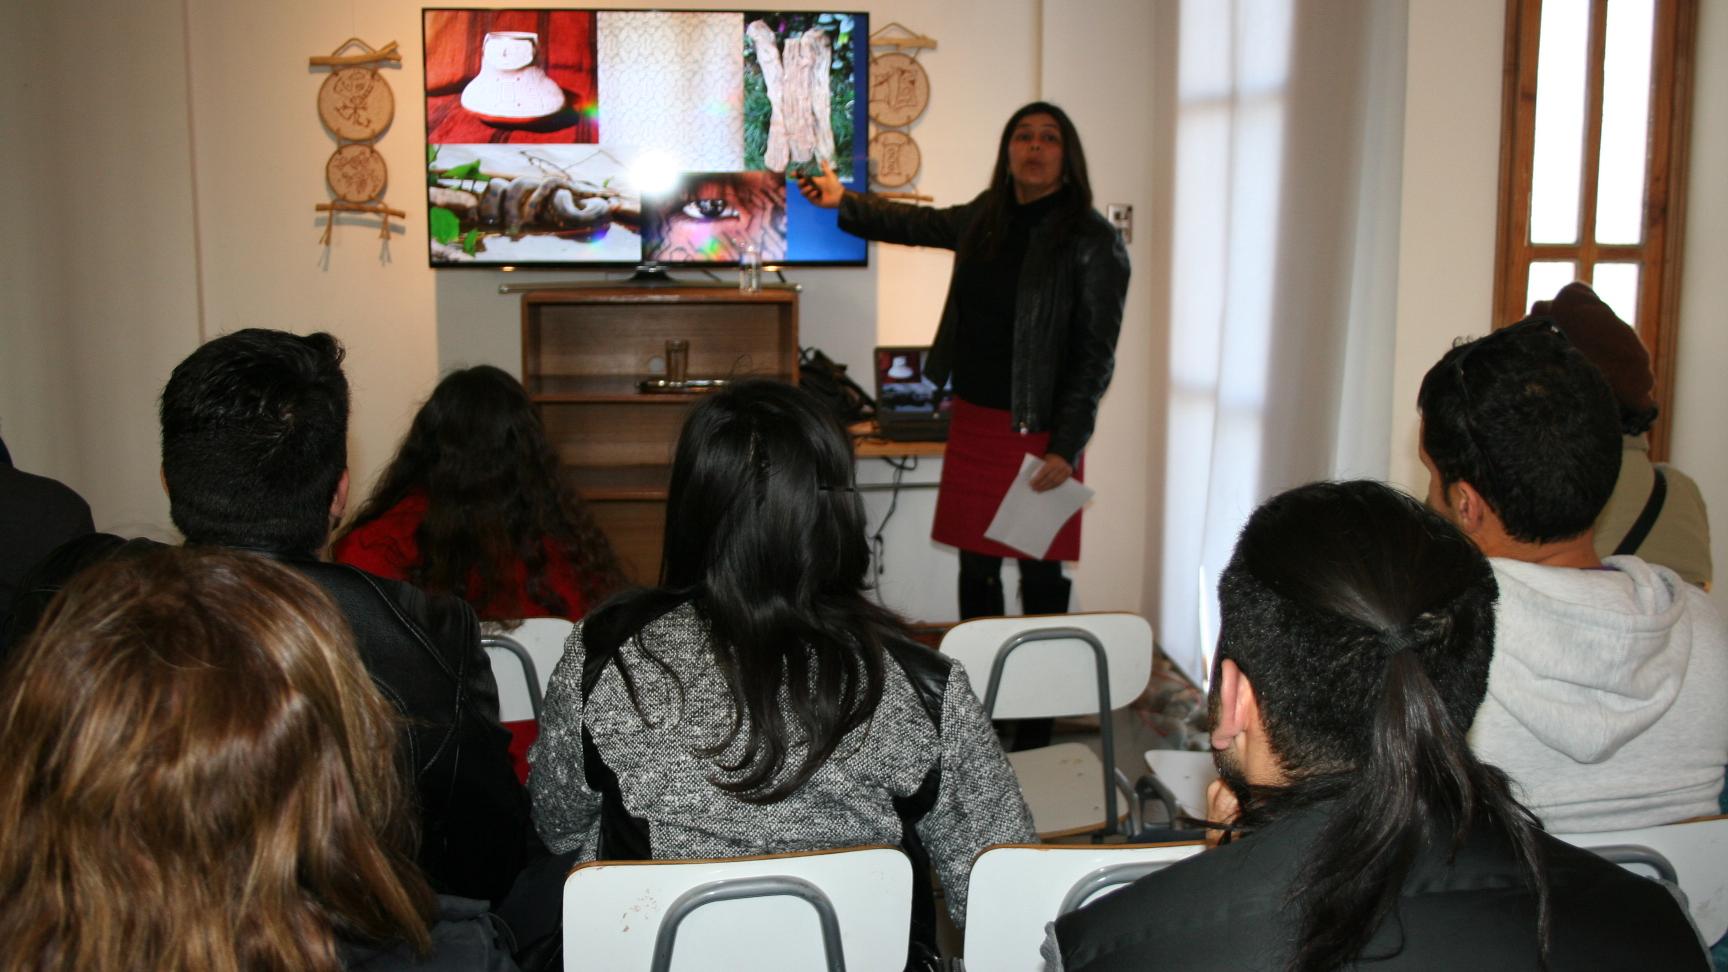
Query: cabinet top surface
663, 294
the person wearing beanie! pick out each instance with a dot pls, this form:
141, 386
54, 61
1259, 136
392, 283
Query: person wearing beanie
1678, 532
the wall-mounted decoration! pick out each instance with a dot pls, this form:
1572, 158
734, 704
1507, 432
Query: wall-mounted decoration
356, 173
356, 105
899, 89
894, 158
899, 93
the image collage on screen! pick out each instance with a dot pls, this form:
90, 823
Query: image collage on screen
610, 137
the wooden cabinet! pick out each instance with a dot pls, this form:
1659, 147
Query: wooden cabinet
585, 349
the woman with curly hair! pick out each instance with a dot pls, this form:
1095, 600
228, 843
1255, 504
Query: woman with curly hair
474, 505
199, 774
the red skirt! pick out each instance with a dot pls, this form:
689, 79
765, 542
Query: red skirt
982, 459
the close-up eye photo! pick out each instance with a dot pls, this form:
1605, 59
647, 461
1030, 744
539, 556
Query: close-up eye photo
709, 208
708, 217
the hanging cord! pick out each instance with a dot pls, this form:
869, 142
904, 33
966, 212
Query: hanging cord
878, 544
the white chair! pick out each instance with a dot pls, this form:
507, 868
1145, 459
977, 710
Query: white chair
1017, 889
1692, 854
522, 662
1061, 665
1180, 778
835, 910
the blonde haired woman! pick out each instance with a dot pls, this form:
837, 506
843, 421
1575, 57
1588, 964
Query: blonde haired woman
199, 774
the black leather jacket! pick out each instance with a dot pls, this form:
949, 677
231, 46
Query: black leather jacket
1067, 312
423, 653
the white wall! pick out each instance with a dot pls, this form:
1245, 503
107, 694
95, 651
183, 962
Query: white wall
1450, 200
97, 265
1700, 394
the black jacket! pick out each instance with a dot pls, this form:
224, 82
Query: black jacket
464, 939
37, 515
1067, 312
423, 653
1225, 909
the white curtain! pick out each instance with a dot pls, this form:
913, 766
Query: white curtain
1286, 129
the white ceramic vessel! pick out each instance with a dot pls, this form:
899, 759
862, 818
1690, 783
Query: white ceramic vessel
511, 85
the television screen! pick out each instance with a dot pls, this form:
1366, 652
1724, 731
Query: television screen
594, 138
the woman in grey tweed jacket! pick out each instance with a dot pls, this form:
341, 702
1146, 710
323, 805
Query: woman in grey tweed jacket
757, 701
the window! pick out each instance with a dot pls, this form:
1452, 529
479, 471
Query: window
1595, 116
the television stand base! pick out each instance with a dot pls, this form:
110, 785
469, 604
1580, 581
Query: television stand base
651, 273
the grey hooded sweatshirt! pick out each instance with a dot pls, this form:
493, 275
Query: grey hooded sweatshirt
1608, 695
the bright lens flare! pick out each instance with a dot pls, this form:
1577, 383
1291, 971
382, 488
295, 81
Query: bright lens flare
655, 173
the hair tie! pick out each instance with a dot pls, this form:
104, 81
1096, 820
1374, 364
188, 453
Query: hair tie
1402, 638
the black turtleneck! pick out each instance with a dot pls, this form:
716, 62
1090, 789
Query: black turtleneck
987, 286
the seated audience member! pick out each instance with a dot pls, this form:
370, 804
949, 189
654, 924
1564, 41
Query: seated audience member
1678, 534
1605, 699
37, 514
758, 701
474, 505
200, 775
1355, 634
254, 457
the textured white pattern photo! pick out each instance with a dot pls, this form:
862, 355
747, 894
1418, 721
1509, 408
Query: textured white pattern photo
673, 83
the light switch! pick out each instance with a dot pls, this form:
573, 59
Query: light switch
1121, 216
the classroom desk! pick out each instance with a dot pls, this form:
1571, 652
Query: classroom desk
867, 443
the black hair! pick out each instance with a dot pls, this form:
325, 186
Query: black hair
1530, 423
765, 534
991, 227
1365, 623
495, 497
255, 440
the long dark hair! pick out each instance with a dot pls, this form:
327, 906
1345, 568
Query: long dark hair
495, 497
991, 226
765, 534
1366, 624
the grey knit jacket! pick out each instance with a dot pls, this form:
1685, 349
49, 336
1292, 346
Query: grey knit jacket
847, 802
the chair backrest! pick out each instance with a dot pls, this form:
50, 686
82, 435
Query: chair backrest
522, 662
1045, 665
544, 640
780, 912
1017, 889
1185, 775
518, 679
1693, 853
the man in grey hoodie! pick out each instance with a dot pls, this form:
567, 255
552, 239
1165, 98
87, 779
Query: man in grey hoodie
1608, 694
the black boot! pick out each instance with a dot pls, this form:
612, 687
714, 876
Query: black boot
1043, 590
981, 587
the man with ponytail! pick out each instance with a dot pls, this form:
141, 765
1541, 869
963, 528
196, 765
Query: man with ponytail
1358, 829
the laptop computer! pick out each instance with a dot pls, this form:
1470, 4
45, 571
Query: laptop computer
909, 407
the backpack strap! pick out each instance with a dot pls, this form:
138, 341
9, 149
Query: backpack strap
1646, 518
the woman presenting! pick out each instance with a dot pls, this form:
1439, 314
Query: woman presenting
1028, 335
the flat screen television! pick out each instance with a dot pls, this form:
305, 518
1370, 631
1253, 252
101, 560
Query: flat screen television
613, 138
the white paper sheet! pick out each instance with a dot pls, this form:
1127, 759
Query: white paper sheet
1028, 521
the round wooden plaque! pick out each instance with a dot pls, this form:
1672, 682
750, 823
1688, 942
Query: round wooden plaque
894, 159
899, 89
356, 173
356, 103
